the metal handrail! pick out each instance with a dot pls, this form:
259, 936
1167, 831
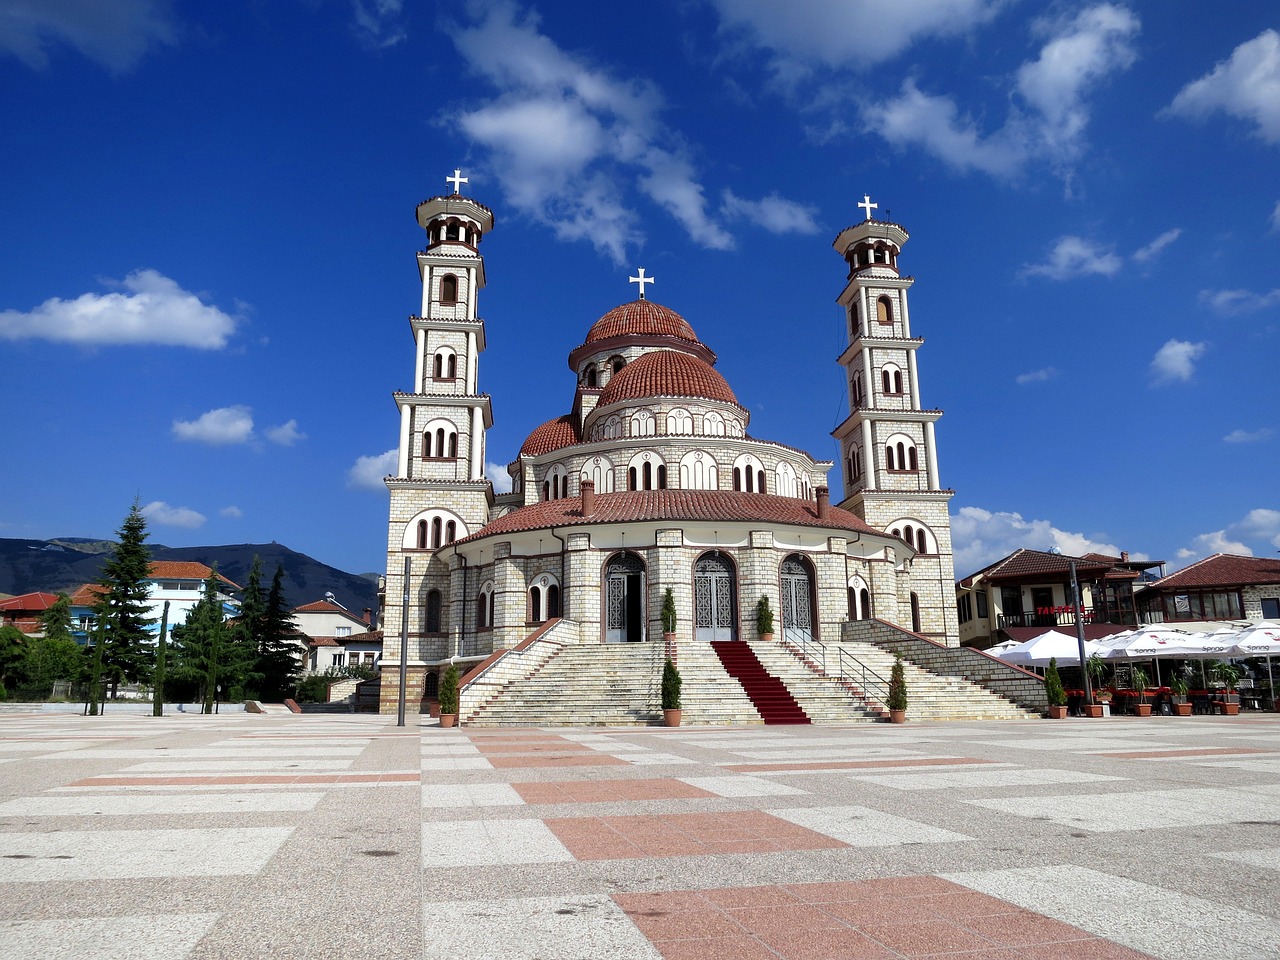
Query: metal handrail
804, 643
854, 671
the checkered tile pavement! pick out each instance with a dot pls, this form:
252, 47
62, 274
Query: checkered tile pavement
320, 837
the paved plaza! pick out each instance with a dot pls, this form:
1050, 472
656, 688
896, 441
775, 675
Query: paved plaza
334, 836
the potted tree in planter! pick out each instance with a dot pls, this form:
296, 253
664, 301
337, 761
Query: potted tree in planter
1138, 677
764, 618
449, 697
1101, 706
1227, 675
1053, 691
897, 702
670, 694
668, 617
1179, 686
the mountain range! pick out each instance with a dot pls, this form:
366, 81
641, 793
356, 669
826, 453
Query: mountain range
63, 564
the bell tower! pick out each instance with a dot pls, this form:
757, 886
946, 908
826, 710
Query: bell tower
439, 492
888, 449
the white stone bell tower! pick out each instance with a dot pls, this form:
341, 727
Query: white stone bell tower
888, 450
439, 492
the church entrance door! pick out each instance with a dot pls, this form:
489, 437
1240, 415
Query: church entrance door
797, 601
714, 599
624, 599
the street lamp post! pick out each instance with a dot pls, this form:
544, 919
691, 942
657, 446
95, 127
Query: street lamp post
1075, 602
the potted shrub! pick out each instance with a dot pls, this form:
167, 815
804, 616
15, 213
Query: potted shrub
764, 618
1181, 704
449, 697
670, 694
1227, 675
1101, 706
897, 701
668, 616
1053, 691
1140, 681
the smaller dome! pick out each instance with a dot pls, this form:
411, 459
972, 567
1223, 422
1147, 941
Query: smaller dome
641, 318
552, 435
666, 373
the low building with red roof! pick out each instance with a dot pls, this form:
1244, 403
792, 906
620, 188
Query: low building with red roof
180, 583
1221, 587
25, 610
336, 637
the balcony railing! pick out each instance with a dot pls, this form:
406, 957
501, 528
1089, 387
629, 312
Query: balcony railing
1064, 616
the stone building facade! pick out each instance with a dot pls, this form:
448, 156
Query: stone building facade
652, 482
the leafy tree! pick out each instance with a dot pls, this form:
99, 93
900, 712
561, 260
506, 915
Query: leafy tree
246, 632
55, 656
198, 644
13, 644
122, 609
277, 663
1053, 690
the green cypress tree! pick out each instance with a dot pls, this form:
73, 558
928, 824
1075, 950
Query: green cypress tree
277, 660
246, 635
198, 643
122, 609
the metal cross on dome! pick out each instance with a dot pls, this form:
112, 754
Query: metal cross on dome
457, 180
867, 205
642, 280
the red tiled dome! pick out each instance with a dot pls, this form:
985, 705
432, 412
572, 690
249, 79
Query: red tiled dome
666, 373
552, 435
641, 318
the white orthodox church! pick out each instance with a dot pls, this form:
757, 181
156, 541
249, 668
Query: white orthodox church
652, 480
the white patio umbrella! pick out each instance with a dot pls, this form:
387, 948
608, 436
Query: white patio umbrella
1262, 640
1053, 644
1152, 643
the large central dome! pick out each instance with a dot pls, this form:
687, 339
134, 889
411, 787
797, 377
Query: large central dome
641, 318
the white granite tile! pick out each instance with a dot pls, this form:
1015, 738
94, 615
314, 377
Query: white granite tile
973, 777
865, 827
583, 927
741, 786
1267, 858
470, 795
478, 843
1140, 809
125, 805
456, 763
1163, 923
653, 759
176, 767
166, 937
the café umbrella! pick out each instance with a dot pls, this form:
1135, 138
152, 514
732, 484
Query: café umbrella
1051, 645
1260, 641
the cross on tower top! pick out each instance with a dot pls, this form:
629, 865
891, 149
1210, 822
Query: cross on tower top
457, 180
642, 280
867, 205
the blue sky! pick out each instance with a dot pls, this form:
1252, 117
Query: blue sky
209, 243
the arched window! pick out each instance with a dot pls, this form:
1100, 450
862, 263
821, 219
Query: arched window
431, 612
445, 364
437, 531
484, 607
440, 440
784, 480
884, 310
900, 453
698, 471
449, 288
859, 599
922, 543
713, 424
891, 379
646, 471
555, 484
679, 422
431, 685
438, 366
553, 601
613, 428
422, 534
915, 613
450, 531
451, 231
591, 377
617, 363
856, 390
429, 530
913, 464
748, 474
535, 604
544, 598
599, 470
642, 424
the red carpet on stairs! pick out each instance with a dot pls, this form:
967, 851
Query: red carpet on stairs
771, 698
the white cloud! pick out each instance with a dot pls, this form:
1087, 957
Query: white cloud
115, 35
772, 213
231, 512
1152, 249
981, 537
368, 472
1275, 218
1037, 376
1248, 436
1260, 526
1246, 86
840, 33
1049, 112
498, 476
1238, 301
1175, 362
567, 140
219, 427
287, 434
155, 310
161, 513
377, 22
1074, 257
1215, 542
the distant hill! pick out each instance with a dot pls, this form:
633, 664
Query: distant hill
67, 562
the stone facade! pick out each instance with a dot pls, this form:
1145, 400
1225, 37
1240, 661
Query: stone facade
651, 482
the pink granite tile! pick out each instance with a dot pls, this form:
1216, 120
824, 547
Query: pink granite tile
925, 938
686, 925
721, 948
737, 897
826, 944
1023, 928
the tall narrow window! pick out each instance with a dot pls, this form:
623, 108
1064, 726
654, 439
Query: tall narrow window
535, 604
922, 542
451, 232
450, 532
884, 310
439, 366
451, 369
911, 457
422, 534
449, 288
915, 613
453, 445
437, 531
553, 601
432, 619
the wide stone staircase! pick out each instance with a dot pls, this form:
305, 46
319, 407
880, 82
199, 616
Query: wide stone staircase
930, 696
768, 694
582, 685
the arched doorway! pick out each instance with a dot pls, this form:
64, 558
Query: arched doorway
797, 600
714, 599
624, 599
